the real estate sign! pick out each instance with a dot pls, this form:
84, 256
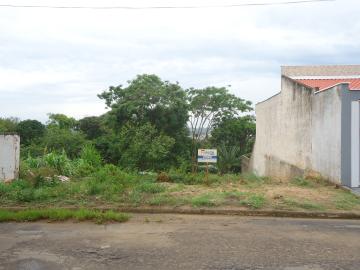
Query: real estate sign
207, 155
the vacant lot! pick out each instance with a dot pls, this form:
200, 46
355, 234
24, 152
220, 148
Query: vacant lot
112, 187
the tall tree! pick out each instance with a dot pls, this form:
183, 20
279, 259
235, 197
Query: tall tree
208, 107
92, 127
143, 148
30, 130
148, 99
8, 124
235, 132
62, 121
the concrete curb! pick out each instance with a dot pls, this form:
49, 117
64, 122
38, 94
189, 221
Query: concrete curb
214, 211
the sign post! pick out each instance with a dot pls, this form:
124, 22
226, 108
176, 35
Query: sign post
207, 156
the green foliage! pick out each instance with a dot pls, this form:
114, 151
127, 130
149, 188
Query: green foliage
236, 131
346, 201
57, 139
59, 162
215, 104
62, 121
30, 130
207, 200
208, 107
251, 200
302, 182
149, 187
254, 201
18, 191
92, 127
165, 199
8, 124
143, 149
185, 178
304, 204
147, 99
144, 130
229, 158
90, 155
86, 164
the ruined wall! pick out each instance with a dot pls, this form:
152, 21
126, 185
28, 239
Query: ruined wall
283, 132
9, 157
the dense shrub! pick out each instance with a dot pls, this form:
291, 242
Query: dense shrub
163, 177
54, 163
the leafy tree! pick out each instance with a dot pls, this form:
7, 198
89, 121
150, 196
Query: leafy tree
142, 148
110, 147
58, 139
8, 124
62, 121
60, 135
148, 99
92, 127
30, 130
208, 107
238, 131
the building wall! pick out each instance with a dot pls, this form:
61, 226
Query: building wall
9, 157
297, 132
283, 132
326, 133
347, 97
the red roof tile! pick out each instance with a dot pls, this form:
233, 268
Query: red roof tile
327, 83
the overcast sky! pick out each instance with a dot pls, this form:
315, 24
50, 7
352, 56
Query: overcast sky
59, 60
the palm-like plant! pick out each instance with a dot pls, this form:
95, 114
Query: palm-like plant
229, 156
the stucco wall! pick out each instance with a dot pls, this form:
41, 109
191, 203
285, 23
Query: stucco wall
299, 131
283, 132
9, 157
326, 133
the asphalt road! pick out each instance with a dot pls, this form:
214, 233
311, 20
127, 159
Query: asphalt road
183, 242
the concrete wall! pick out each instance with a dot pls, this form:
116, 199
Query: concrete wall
326, 133
9, 157
298, 131
283, 132
347, 97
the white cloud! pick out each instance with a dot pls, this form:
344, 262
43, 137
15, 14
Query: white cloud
58, 60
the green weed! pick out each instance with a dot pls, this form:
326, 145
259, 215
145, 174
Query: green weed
165, 199
305, 204
302, 182
148, 187
207, 200
252, 180
255, 201
346, 201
